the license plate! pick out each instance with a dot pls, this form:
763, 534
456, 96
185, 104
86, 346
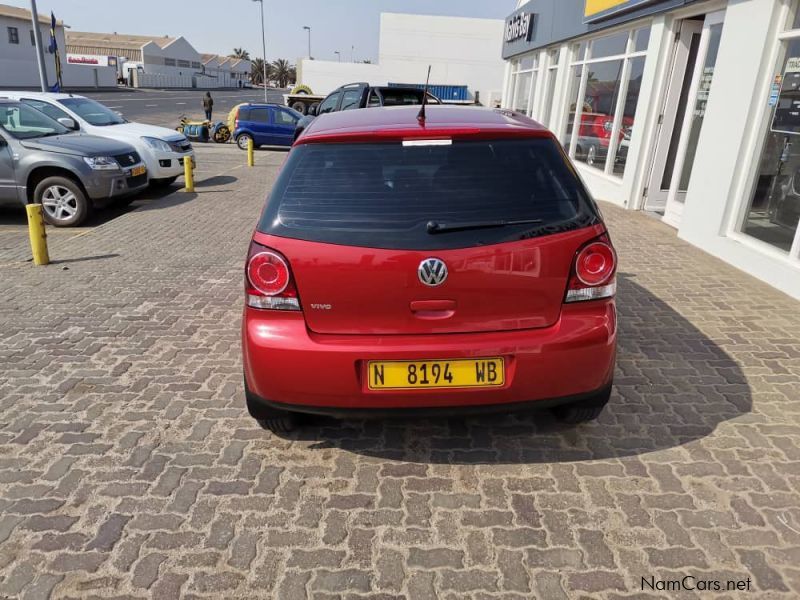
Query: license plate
457, 373
140, 170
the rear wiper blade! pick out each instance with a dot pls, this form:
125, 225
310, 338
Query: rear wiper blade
434, 227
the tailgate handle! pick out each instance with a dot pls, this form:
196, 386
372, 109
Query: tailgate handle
433, 309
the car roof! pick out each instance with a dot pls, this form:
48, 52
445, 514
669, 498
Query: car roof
400, 122
14, 94
263, 104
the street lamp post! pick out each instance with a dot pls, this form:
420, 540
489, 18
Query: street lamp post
37, 38
307, 28
352, 53
263, 48
338, 55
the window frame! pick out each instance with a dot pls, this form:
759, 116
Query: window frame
516, 71
584, 62
747, 183
13, 35
551, 70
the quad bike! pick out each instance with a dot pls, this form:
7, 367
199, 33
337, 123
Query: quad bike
202, 131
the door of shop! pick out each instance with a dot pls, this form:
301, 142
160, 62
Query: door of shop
682, 114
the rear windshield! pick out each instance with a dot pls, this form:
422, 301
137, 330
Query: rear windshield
385, 195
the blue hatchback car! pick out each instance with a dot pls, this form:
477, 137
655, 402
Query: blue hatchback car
265, 124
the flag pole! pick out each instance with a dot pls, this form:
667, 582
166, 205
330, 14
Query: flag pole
37, 38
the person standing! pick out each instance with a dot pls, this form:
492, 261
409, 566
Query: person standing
208, 105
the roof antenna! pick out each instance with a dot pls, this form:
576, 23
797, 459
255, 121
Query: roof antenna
421, 114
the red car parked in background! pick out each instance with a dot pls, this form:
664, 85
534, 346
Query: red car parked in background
449, 264
597, 122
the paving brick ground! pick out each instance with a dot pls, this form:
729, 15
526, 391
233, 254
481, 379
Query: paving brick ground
129, 468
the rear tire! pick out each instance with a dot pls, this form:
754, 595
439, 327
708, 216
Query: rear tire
300, 107
285, 424
271, 419
583, 411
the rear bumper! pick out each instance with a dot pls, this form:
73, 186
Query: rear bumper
286, 366
426, 411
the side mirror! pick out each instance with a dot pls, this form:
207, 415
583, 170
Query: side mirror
68, 123
313, 110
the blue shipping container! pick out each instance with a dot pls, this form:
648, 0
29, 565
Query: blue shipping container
445, 93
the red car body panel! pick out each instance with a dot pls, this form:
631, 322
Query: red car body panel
500, 300
516, 285
456, 123
287, 363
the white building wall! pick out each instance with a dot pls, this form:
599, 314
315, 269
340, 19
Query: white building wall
727, 145
324, 76
460, 51
179, 49
19, 67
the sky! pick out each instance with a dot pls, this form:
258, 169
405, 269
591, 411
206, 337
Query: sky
218, 26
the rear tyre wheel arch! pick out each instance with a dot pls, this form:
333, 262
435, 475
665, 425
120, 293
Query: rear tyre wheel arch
583, 410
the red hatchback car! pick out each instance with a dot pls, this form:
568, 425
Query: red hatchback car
437, 266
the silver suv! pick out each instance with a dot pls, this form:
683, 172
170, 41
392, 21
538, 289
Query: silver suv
43, 161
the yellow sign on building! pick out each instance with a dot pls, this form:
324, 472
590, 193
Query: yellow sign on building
594, 7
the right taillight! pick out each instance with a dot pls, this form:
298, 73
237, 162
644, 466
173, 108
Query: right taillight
268, 280
593, 272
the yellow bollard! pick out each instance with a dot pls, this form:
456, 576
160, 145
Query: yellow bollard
37, 234
188, 173
251, 159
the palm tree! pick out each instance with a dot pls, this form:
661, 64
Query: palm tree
241, 53
281, 72
257, 71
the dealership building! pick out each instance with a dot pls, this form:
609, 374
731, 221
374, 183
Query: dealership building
686, 109
19, 67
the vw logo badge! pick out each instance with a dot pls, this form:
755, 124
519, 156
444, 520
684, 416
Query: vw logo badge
432, 272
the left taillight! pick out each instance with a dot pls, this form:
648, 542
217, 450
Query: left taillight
594, 271
268, 280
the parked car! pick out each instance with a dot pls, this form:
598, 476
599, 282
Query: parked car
454, 265
265, 124
363, 95
597, 122
163, 150
68, 173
